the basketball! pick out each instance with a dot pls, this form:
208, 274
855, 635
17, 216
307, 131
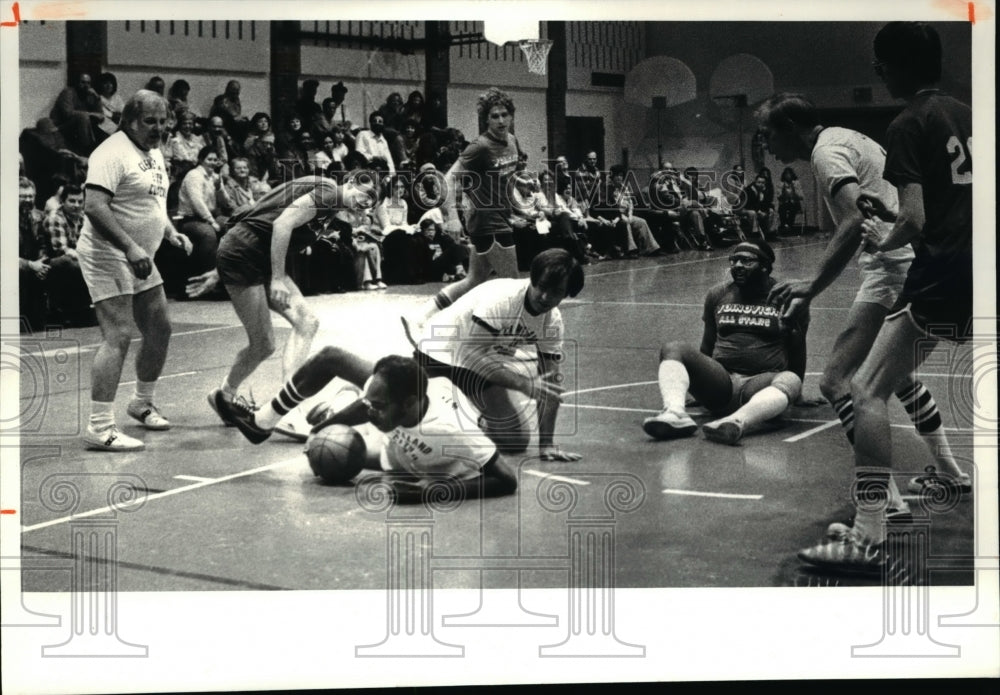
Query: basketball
336, 453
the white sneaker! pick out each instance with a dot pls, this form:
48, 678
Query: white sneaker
148, 415
110, 439
723, 431
669, 425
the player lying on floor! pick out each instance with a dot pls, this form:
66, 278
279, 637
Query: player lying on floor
424, 430
751, 362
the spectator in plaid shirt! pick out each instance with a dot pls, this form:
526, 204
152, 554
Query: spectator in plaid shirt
69, 300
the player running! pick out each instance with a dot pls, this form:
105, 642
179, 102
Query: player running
751, 362
929, 161
848, 165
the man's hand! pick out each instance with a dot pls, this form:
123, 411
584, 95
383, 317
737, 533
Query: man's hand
873, 206
278, 294
543, 388
786, 290
40, 268
554, 453
139, 261
182, 242
873, 235
202, 284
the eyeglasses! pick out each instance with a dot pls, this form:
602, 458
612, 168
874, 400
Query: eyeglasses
746, 261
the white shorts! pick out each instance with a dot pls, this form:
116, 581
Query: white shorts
110, 275
881, 280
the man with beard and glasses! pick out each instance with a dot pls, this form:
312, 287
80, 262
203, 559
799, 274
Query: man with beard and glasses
751, 362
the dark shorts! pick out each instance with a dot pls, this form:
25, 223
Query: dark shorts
484, 242
244, 258
945, 319
469, 383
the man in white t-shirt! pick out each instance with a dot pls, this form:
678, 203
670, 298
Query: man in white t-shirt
505, 337
848, 165
126, 219
424, 432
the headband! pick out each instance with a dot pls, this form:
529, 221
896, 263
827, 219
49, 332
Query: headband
754, 249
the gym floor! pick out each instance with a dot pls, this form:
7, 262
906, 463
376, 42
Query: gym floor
222, 514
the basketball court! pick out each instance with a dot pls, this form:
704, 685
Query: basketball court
203, 509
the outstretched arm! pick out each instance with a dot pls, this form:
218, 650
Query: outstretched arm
495, 480
301, 211
909, 223
548, 410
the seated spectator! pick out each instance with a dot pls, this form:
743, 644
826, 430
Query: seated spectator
156, 84
624, 200
426, 193
392, 211
201, 202
78, 114
372, 143
409, 142
667, 214
598, 233
323, 122
177, 97
449, 258
180, 154
111, 102
46, 155
435, 113
334, 145
413, 110
564, 233
260, 150
589, 177
309, 112
69, 299
789, 200
367, 249
755, 212
228, 107
220, 139
286, 139
33, 265
393, 112
243, 189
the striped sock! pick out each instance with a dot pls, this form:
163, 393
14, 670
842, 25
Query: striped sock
844, 407
286, 400
442, 300
921, 407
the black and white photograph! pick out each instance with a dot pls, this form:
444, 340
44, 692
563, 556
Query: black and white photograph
383, 344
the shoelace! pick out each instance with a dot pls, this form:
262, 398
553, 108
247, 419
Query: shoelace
246, 405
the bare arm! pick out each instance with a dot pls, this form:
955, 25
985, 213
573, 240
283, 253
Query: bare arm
300, 212
909, 222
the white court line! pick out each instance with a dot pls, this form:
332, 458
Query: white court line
165, 493
162, 376
195, 478
581, 302
919, 375
608, 388
903, 427
90, 348
560, 478
726, 495
674, 265
814, 430
608, 407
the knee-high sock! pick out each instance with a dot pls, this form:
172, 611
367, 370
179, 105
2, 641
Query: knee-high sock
844, 408
286, 400
767, 403
923, 411
674, 383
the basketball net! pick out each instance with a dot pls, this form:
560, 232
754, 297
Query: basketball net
536, 52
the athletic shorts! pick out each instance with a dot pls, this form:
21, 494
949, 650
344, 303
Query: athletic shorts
110, 275
746, 387
881, 283
244, 258
949, 320
484, 242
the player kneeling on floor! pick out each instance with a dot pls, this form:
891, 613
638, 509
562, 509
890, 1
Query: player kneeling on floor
751, 362
423, 431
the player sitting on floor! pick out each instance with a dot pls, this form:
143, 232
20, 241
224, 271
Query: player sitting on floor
750, 365
425, 429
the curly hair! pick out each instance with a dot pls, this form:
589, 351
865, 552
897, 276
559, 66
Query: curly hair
494, 97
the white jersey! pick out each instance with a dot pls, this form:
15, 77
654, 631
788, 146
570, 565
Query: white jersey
491, 319
843, 156
137, 181
447, 441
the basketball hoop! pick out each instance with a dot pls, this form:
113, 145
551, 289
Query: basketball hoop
536, 52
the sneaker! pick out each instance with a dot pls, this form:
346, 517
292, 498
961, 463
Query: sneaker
110, 439
242, 415
669, 425
848, 553
379, 285
213, 400
900, 514
148, 415
293, 426
368, 286
723, 431
925, 484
